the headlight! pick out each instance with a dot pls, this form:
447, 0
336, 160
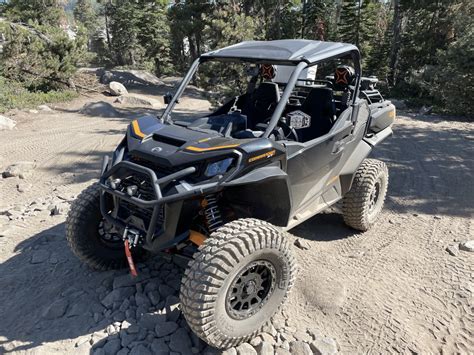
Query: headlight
218, 168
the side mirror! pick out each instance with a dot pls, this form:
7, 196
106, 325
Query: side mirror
167, 98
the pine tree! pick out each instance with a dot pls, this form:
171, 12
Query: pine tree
452, 83
319, 19
348, 22
154, 35
45, 12
39, 52
85, 14
187, 22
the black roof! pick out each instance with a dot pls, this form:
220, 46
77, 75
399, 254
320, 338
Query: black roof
283, 51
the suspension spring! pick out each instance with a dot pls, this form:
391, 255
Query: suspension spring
212, 213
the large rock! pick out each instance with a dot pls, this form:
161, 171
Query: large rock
467, 246
99, 109
56, 309
302, 244
45, 108
22, 169
107, 77
139, 100
300, 348
165, 328
117, 295
151, 320
140, 349
324, 346
180, 341
127, 339
265, 348
39, 256
6, 123
165, 290
117, 89
112, 347
159, 347
130, 77
246, 349
329, 296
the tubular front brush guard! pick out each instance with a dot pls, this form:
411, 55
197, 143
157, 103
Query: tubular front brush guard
158, 184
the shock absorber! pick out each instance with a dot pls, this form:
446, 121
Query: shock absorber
212, 213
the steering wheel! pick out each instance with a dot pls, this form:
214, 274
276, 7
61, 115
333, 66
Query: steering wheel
288, 131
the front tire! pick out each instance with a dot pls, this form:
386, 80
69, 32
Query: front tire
363, 203
237, 281
85, 234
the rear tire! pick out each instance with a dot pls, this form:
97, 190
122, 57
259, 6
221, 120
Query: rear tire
237, 281
363, 203
82, 233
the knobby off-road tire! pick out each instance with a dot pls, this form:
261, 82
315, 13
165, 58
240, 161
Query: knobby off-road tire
82, 233
363, 203
238, 250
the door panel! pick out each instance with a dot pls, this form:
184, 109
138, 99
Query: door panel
311, 163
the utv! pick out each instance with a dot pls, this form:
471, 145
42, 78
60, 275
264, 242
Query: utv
221, 190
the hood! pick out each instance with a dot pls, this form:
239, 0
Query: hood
172, 145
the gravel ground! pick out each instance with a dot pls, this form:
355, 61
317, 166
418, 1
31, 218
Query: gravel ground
404, 286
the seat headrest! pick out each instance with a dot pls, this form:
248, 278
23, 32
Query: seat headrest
268, 89
268, 71
343, 77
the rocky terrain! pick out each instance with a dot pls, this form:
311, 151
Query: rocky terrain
404, 286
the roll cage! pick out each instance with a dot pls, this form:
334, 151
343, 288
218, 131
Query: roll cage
301, 54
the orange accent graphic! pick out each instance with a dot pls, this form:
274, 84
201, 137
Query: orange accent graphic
197, 149
196, 237
341, 76
268, 71
137, 130
262, 156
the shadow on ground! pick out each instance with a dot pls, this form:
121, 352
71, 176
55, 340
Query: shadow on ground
424, 165
48, 295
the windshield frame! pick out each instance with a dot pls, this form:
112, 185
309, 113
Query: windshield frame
298, 68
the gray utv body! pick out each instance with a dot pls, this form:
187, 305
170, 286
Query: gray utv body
157, 178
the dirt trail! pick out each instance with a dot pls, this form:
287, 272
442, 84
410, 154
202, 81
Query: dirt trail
392, 289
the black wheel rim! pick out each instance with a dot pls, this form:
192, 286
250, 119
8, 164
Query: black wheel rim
108, 237
251, 289
374, 197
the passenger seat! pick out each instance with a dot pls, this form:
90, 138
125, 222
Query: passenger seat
319, 104
261, 103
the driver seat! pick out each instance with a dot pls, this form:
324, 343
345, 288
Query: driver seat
261, 103
319, 104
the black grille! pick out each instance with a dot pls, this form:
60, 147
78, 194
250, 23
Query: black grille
131, 213
143, 183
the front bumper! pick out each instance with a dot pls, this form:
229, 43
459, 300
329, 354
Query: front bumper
168, 205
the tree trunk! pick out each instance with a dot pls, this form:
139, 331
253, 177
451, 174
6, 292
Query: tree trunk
357, 39
107, 33
395, 47
303, 20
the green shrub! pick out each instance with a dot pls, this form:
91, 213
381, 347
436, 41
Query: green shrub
14, 95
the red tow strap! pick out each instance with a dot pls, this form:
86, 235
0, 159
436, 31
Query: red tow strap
131, 264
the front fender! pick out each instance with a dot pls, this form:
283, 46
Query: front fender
263, 193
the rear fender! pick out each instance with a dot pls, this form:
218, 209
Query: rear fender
262, 193
361, 151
